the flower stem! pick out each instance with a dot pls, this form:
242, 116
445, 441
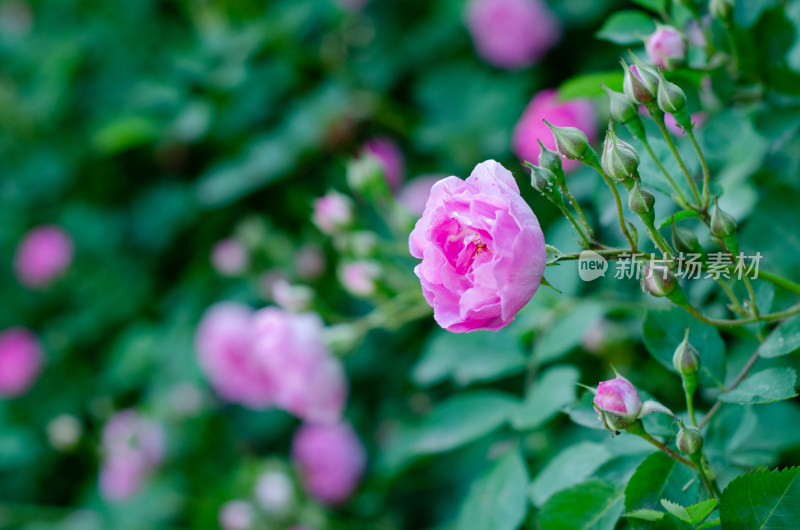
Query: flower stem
681, 199
618, 202
581, 215
637, 428
704, 165
575, 224
665, 133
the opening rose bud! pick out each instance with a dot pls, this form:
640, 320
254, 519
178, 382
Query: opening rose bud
665, 47
635, 87
617, 403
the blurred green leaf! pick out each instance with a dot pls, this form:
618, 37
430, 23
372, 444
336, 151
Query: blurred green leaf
567, 331
783, 340
626, 27
768, 500
600, 506
766, 386
571, 466
590, 85
550, 393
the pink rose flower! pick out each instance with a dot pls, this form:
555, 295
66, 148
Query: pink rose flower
391, 159
309, 381
21, 360
512, 34
414, 194
332, 213
134, 447
482, 250
530, 128
617, 403
44, 253
665, 47
225, 346
330, 460
271, 358
229, 257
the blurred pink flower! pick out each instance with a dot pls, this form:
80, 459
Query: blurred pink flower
330, 460
44, 253
21, 360
414, 194
271, 358
229, 257
309, 261
359, 277
309, 381
512, 34
482, 250
545, 106
390, 158
698, 119
134, 447
236, 515
332, 212
224, 342
665, 47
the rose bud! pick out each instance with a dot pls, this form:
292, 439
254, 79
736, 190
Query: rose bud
722, 223
622, 108
333, 213
658, 281
672, 100
640, 85
684, 240
617, 403
686, 359
641, 201
620, 160
44, 254
689, 440
545, 182
571, 142
229, 257
665, 47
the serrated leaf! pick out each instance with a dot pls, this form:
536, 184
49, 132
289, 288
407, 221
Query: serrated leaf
590, 85
600, 503
676, 510
763, 500
664, 329
478, 356
551, 392
766, 386
698, 512
645, 514
497, 499
783, 340
571, 466
626, 27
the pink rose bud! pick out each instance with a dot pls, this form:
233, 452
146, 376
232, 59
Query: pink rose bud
44, 253
531, 129
482, 250
236, 515
512, 34
330, 460
229, 257
333, 213
666, 48
21, 360
308, 381
359, 277
134, 447
414, 195
225, 346
292, 297
617, 403
390, 158
274, 491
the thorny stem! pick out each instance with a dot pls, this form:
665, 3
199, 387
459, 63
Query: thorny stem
665, 133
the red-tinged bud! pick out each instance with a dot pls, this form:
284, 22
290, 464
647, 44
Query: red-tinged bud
689, 440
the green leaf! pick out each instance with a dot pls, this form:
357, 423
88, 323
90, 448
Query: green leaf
593, 505
468, 358
659, 6
676, 510
497, 499
683, 214
124, 133
664, 330
710, 524
766, 386
552, 254
567, 331
626, 27
645, 514
762, 499
783, 340
590, 85
659, 477
551, 392
571, 466
698, 512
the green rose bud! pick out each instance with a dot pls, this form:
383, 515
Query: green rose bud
620, 160
641, 201
658, 281
545, 182
686, 360
622, 108
684, 240
549, 159
723, 224
571, 142
689, 440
